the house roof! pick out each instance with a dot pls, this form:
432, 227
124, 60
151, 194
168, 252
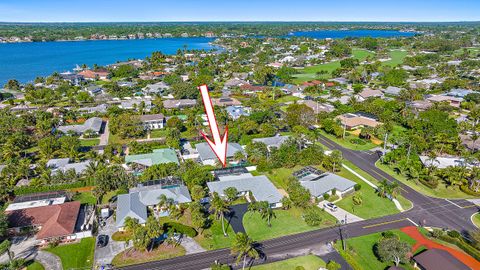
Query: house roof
94, 124
205, 152
236, 111
63, 164
370, 93
326, 182
179, 103
438, 259
226, 101
134, 204
443, 162
55, 220
392, 90
317, 107
275, 141
129, 205
354, 120
260, 186
152, 117
158, 156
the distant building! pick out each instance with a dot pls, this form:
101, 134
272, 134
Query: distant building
179, 103
134, 104
158, 156
156, 88
236, 111
437, 259
452, 101
208, 157
357, 120
153, 121
93, 125
102, 108
444, 162
63, 165
95, 75
272, 142
392, 91
224, 101
317, 107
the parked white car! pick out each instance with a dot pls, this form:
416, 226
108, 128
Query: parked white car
331, 206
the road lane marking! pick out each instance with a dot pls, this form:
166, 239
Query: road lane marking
413, 222
383, 223
453, 203
469, 206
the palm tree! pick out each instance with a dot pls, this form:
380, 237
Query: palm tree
243, 247
266, 212
153, 229
220, 207
164, 202
130, 224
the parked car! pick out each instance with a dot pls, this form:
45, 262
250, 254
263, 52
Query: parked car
102, 240
331, 206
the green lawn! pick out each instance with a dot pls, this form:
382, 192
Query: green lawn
286, 99
85, 198
372, 206
213, 238
108, 196
308, 262
406, 204
361, 250
476, 219
89, 142
361, 54
279, 176
158, 133
346, 142
397, 58
442, 191
287, 222
78, 255
162, 252
309, 73
35, 266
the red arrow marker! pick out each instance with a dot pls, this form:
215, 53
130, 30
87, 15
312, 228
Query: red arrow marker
219, 146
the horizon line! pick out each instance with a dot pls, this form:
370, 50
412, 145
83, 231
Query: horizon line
245, 21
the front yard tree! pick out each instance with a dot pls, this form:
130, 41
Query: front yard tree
392, 249
266, 212
153, 229
231, 193
220, 207
243, 247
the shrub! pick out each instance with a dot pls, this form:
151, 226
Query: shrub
432, 183
453, 234
326, 196
436, 233
468, 191
389, 234
459, 242
180, 228
28, 189
357, 187
312, 216
358, 141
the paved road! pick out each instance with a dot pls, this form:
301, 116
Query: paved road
453, 214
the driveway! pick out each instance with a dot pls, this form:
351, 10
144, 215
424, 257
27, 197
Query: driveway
340, 214
22, 247
235, 217
104, 255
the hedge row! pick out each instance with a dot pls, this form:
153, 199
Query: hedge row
180, 228
28, 189
468, 191
350, 260
472, 251
432, 185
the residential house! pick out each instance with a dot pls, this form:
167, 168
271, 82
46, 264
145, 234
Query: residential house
225, 101
63, 165
369, 93
56, 221
131, 104
94, 90
444, 162
73, 78
320, 183
317, 107
272, 142
88, 74
420, 105
156, 88
102, 108
235, 83
459, 93
179, 103
452, 101
208, 157
392, 91
37, 200
93, 125
158, 156
147, 196
236, 111
153, 121
437, 259
357, 120
246, 184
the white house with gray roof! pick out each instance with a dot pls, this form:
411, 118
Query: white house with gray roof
208, 157
135, 203
64, 165
93, 124
260, 187
320, 183
272, 142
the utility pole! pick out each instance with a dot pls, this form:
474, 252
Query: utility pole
345, 234
385, 146
344, 130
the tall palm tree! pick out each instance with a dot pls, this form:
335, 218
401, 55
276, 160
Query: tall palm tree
153, 230
266, 212
220, 207
243, 247
130, 224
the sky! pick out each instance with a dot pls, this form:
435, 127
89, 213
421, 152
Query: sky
240, 10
